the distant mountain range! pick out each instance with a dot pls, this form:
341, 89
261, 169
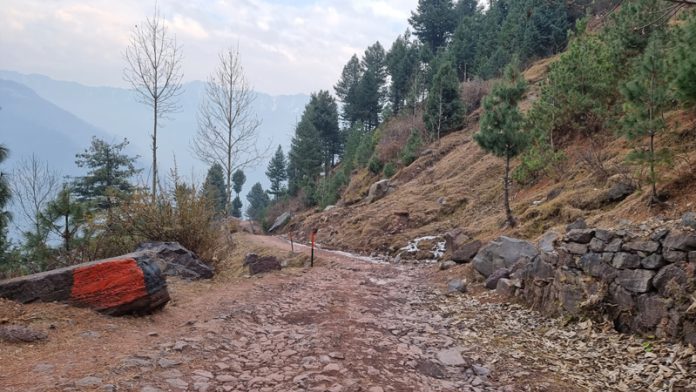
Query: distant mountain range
56, 119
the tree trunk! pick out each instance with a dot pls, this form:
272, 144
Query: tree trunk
154, 157
506, 186
653, 180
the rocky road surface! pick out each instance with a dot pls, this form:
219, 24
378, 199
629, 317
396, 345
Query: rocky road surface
348, 326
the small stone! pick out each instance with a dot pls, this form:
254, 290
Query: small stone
456, 286
451, 357
332, 367
337, 355
445, 265
89, 381
575, 248
177, 383
226, 378
579, 224
180, 346
201, 386
674, 256
689, 219
603, 235
614, 245
204, 373
481, 371
165, 363
90, 334
654, 261
597, 245
43, 368
637, 281
492, 281
580, 236
109, 388
642, 246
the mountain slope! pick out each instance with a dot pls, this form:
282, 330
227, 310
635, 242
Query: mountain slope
30, 124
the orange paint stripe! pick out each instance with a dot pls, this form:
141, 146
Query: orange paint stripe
109, 284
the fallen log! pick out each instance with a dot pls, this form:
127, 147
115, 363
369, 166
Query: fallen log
130, 284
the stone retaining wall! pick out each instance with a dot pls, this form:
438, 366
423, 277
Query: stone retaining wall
641, 278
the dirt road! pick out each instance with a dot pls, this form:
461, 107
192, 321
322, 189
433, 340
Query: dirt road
346, 325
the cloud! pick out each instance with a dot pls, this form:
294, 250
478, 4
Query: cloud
287, 46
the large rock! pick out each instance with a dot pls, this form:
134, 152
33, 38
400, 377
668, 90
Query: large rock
261, 264
492, 281
503, 253
680, 241
175, 260
378, 190
636, 281
280, 221
466, 252
619, 192
689, 219
669, 279
130, 284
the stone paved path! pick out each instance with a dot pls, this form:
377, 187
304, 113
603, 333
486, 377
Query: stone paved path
354, 326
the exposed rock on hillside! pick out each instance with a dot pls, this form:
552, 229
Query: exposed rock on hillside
175, 260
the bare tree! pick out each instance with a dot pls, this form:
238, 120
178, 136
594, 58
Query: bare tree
34, 185
154, 72
227, 125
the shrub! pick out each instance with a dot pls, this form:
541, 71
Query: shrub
389, 170
375, 165
412, 148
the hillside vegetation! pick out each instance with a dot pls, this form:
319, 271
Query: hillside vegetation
606, 129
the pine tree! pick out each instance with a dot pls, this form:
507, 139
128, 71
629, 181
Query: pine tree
501, 126
433, 22
323, 112
65, 217
647, 97
4, 199
277, 173
347, 90
214, 188
444, 109
466, 8
305, 158
238, 180
402, 61
371, 89
463, 49
684, 62
258, 202
109, 171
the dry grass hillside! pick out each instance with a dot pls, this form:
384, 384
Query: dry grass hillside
455, 185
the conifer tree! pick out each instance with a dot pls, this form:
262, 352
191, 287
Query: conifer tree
685, 62
501, 127
444, 109
215, 189
238, 180
305, 155
258, 202
371, 91
109, 173
277, 173
433, 22
402, 61
323, 112
647, 97
463, 47
65, 217
347, 90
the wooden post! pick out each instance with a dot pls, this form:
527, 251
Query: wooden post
314, 238
292, 243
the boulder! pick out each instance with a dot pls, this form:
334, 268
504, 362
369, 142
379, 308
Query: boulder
261, 264
445, 265
175, 260
579, 224
593, 265
575, 248
689, 219
20, 334
653, 262
618, 192
636, 281
597, 245
621, 297
580, 236
280, 221
503, 252
492, 280
651, 310
378, 190
676, 240
642, 246
507, 287
669, 275
623, 260
614, 245
547, 243
674, 256
130, 284
466, 252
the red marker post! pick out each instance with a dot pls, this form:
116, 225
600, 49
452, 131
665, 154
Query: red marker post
313, 238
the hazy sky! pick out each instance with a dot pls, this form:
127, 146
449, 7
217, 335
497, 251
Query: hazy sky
287, 46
